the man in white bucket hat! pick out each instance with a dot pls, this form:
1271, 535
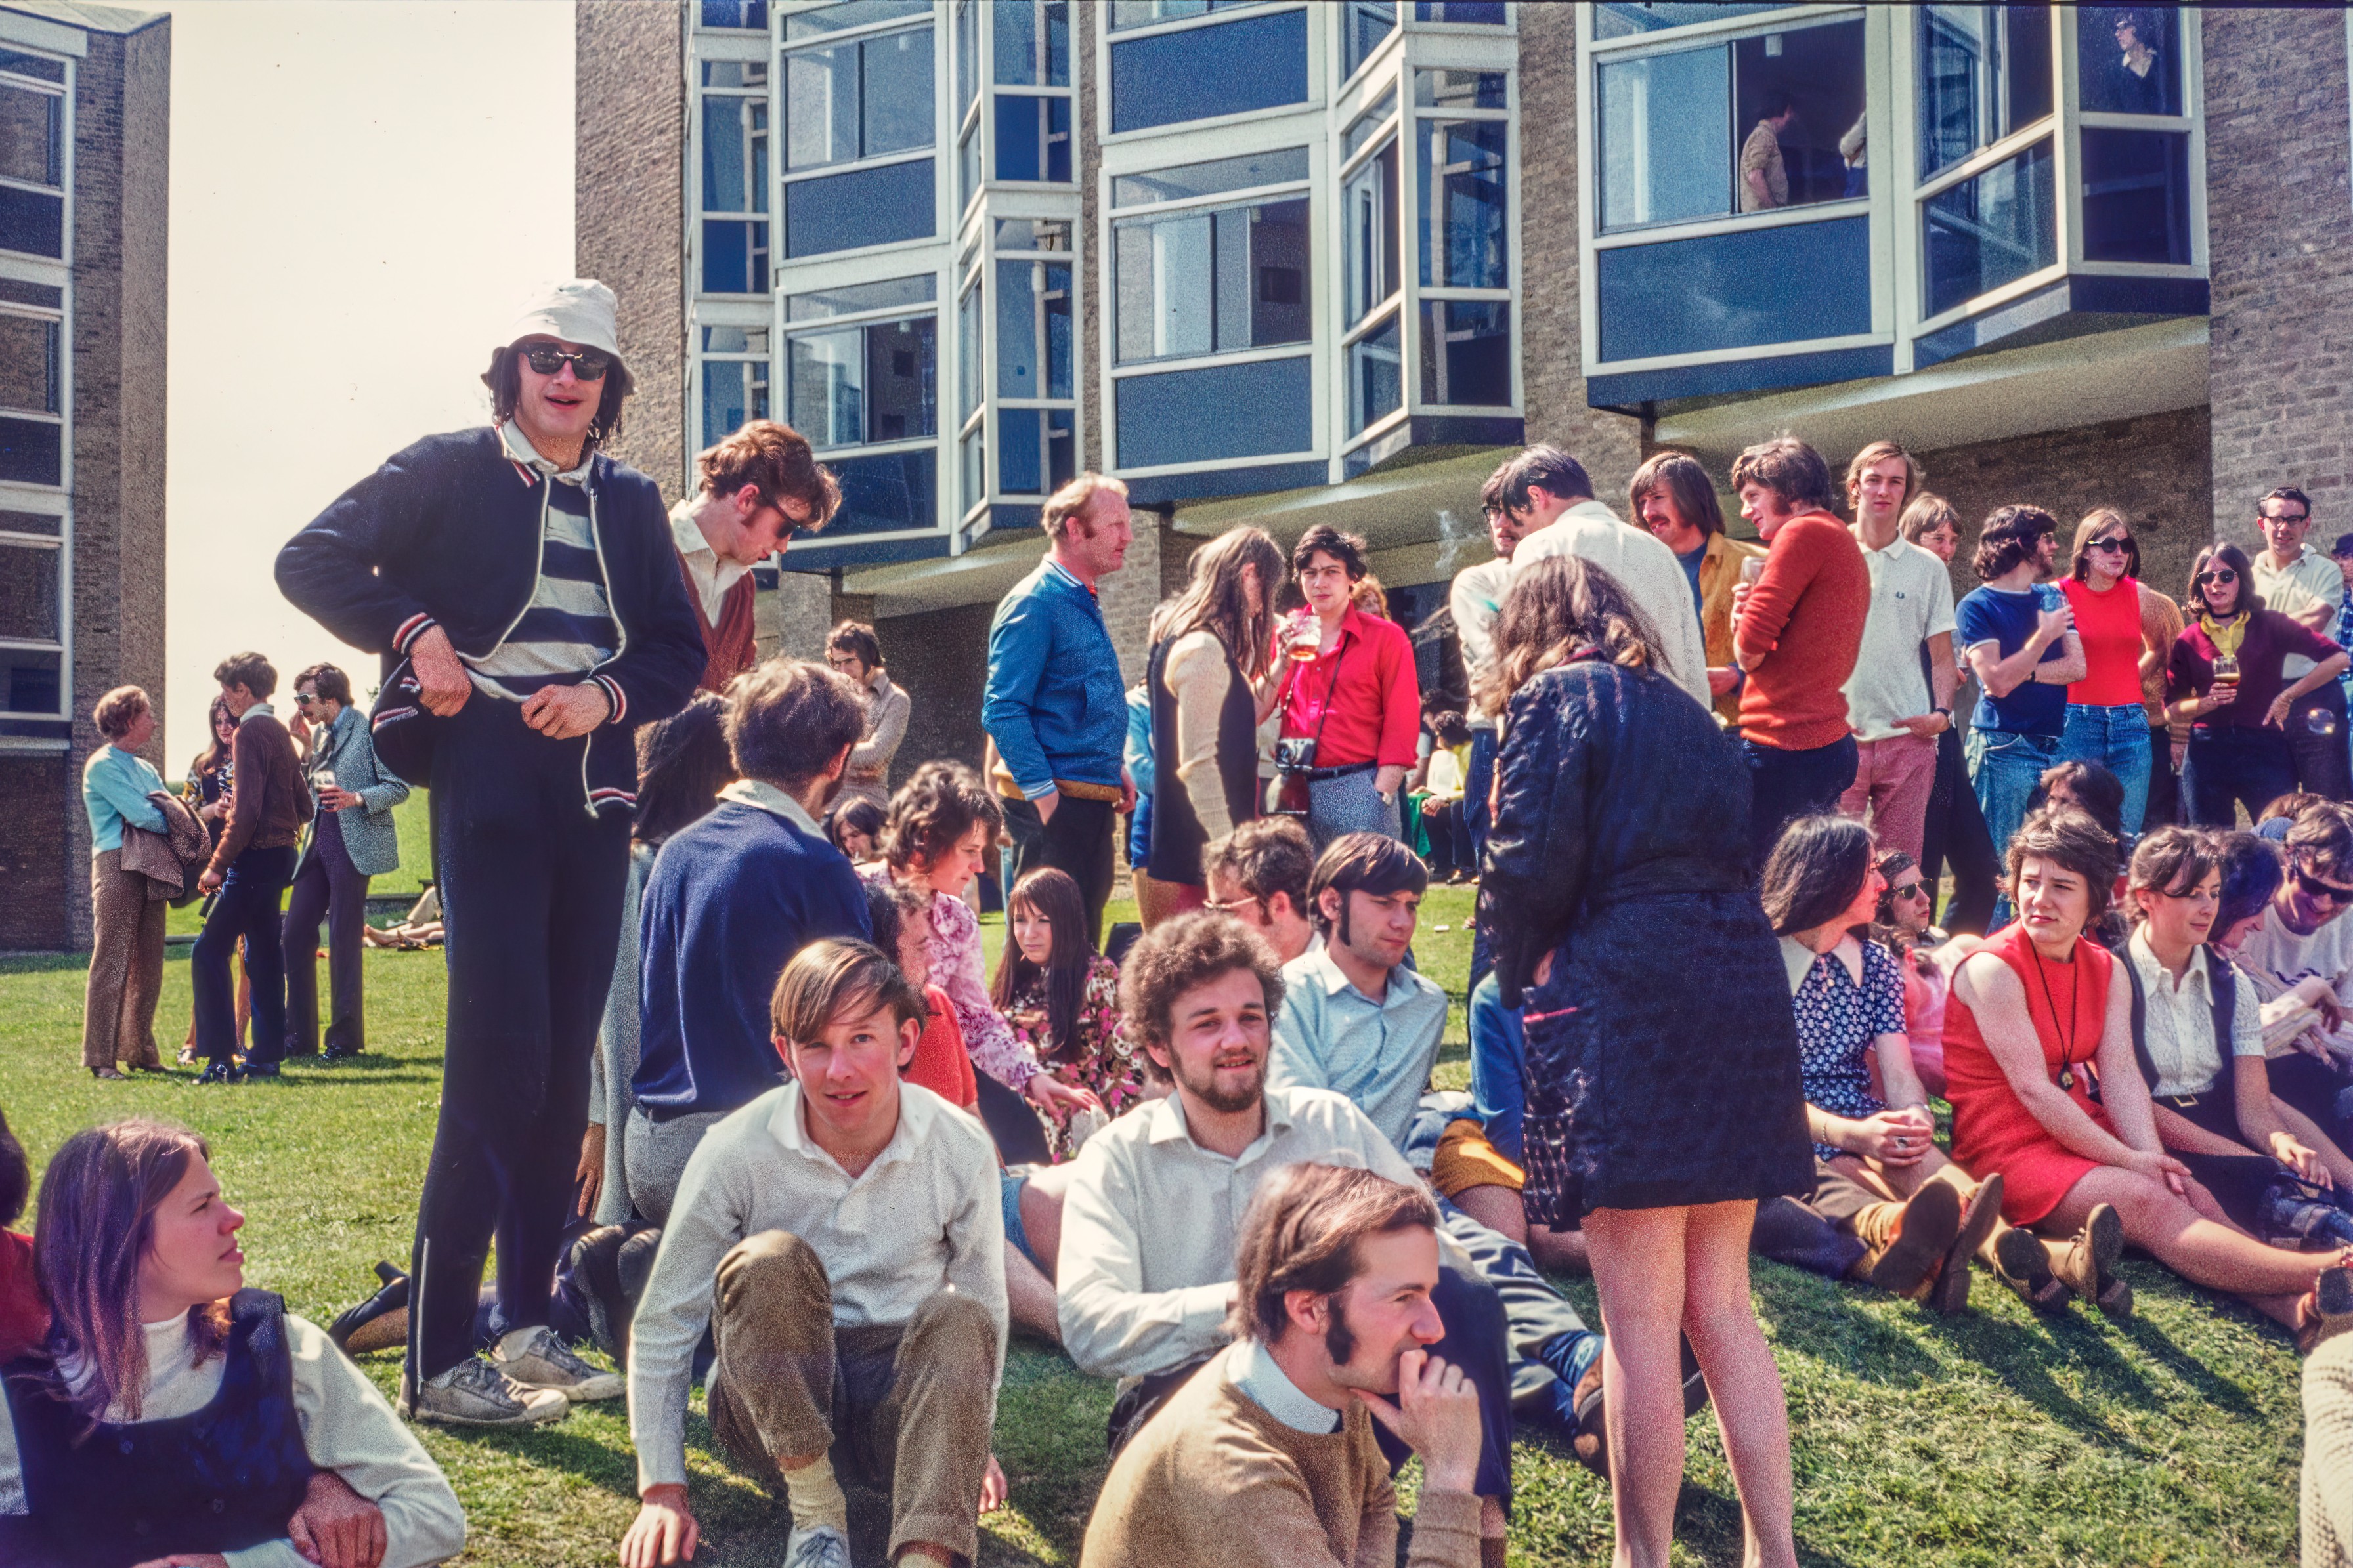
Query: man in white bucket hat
523, 592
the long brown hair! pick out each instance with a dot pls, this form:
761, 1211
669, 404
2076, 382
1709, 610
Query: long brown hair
96, 1225
1686, 484
1217, 598
1055, 895
1558, 606
216, 754
2097, 522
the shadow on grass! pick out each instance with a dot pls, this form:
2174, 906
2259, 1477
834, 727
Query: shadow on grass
1708, 1523
41, 962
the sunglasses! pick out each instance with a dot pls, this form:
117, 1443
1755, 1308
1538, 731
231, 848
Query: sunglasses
1908, 890
588, 365
2314, 888
304, 699
2224, 574
2110, 546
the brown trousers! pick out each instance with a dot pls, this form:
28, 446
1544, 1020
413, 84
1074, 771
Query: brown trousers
126, 966
902, 1409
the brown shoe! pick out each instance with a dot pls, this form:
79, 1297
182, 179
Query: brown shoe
2326, 1308
2089, 1266
1906, 1241
1950, 1294
2022, 1263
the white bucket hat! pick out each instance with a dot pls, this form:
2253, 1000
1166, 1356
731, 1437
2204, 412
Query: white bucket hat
578, 310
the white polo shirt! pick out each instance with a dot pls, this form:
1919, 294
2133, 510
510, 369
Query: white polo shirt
2312, 579
1911, 601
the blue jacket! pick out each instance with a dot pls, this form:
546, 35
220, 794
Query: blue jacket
448, 533
1055, 705
368, 833
731, 899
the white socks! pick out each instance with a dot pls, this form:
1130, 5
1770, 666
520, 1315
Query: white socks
816, 1496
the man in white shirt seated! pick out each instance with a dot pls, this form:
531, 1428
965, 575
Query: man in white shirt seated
2303, 945
843, 1238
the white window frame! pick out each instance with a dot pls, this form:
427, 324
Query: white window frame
943, 193
29, 36
747, 52
1414, 198
993, 400
989, 87
1321, 52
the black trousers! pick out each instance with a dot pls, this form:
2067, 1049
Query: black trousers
2311, 1086
327, 885
1785, 786
2315, 739
1078, 840
1450, 841
1957, 839
245, 905
531, 892
2164, 809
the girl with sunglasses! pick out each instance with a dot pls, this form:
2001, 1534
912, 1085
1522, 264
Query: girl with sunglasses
2226, 677
2128, 628
1924, 954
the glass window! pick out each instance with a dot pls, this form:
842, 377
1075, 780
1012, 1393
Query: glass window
1210, 282
32, 222
28, 365
734, 256
37, 66
1280, 167
1256, 62
1457, 90
1033, 329
856, 296
1138, 13
746, 76
47, 524
32, 136
1666, 138
967, 56
735, 341
828, 397
31, 606
1033, 43
1988, 231
903, 399
1370, 203
1365, 125
1478, 13
1037, 450
1466, 351
2127, 58
968, 353
1376, 377
851, 14
1032, 234
868, 207
1624, 19
968, 167
888, 492
1798, 101
16, 292
31, 681
2135, 196
863, 100
974, 452
735, 154
1462, 225
1365, 26
1033, 138
734, 392
1217, 412
862, 385
1985, 71
31, 452
735, 14
1746, 288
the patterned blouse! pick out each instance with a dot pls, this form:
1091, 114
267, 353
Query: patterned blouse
1837, 1021
958, 969
1100, 1058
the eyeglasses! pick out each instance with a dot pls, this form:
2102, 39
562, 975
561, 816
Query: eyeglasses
304, 699
2110, 546
2314, 888
1908, 890
2219, 574
1231, 906
2284, 517
588, 365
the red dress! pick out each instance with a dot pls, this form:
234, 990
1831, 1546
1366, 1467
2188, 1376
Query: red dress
1992, 1130
24, 1316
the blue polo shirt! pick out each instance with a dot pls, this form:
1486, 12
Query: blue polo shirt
2007, 620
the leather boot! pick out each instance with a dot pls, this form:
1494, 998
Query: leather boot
1950, 1294
2019, 1261
1906, 1241
2088, 1265
2326, 1308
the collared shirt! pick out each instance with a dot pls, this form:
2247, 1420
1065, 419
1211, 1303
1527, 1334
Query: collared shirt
1475, 600
2178, 1022
1252, 1369
769, 798
114, 785
1645, 568
1911, 601
887, 711
1137, 1293
711, 576
1332, 1036
925, 1217
1055, 702
1367, 682
2293, 590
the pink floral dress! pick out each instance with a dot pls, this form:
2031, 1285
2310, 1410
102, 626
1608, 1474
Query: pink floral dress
1099, 1056
959, 969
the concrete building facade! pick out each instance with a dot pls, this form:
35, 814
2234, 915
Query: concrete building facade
85, 146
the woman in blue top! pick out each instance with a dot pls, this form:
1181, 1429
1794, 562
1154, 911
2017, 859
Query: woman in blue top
126, 958
2020, 639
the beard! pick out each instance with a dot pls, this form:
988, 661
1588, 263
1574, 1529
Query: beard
1341, 1343
1225, 1102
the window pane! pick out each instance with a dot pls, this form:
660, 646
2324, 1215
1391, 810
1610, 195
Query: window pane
1258, 62
2135, 196
1466, 351
734, 392
888, 493
1370, 203
32, 140
47, 524
30, 452
821, 106
1018, 307
1020, 465
1463, 217
28, 365
1360, 131
734, 256
1062, 349
741, 74
1033, 138
1376, 379
736, 339
32, 222
735, 154
871, 206
1746, 288
968, 353
902, 397
1217, 412
18, 292
1136, 13
1985, 71
1017, 42
1277, 292
857, 297
30, 681
39, 66
1457, 90
829, 395
968, 168
2127, 56
852, 13
1985, 232
1365, 26
898, 91
1162, 284
1276, 168
1032, 234
1482, 13
1058, 43
1231, 304
735, 14
1666, 138
31, 607
1623, 18
1798, 96
974, 451
967, 55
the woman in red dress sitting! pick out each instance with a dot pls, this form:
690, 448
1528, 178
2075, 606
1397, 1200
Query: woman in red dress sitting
2034, 1024
24, 1315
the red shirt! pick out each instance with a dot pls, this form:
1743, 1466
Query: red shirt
24, 1316
2109, 625
1375, 697
940, 1063
1806, 616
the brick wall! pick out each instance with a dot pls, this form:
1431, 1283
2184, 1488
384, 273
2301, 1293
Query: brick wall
940, 658
36, 865
630, 143
2280, 242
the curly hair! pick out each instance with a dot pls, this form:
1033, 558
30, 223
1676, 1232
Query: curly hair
931, 813
1179, 954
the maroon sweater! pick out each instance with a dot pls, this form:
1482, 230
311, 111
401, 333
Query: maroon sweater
1805, 615
729, 644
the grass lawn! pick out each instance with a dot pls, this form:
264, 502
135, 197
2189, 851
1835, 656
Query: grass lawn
1992, 1438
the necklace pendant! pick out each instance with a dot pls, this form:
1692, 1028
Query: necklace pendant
2066, 1077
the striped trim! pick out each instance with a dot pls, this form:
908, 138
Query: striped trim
608, 796
411, 629
617, 698
386, 715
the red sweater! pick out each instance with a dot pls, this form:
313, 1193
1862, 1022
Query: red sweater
729, 644
940, 1063
24, 1316
1804, 617
1376, 704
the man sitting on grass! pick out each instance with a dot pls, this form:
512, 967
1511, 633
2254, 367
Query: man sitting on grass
1258, 874
842, 1238
1266, 1456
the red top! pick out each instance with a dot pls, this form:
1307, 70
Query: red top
940, 1063
728, 646
1377, 704
1992, 1129
2270, 639
24, 1316
1806, 616
2109, 625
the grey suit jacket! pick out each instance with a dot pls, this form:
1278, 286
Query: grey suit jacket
368, 831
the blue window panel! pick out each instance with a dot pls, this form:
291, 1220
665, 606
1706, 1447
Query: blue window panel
884, 494
1466, 351
735, 154
1666, 138
735, 14
824, 19
1258, 62
1019, 470
32, 222
1033, 138
1463, 161
1479, 12
1736, 290
1376, 377
734, 393
734, 256
31, 680
1033, 299
32, 606
1024, 58
1991, 230
1623, 18
868, 207
1221, 411
2135, 196
31, 452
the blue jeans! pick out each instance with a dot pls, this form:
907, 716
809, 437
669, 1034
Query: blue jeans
2004, 767
2117, 738
1499, 1066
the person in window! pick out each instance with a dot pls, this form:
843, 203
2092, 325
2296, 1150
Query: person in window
126, 956
1350, 696
2304, 585
2227, 677
2137, 76
1764, 177
852, 649
759, 486
1673, 498
1953, 836
1061, 998
1853, 150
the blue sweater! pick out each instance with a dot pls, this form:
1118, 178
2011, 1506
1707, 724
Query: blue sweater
1054, 705
731, 899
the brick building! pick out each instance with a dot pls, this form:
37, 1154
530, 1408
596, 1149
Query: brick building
1285, 263
85, 147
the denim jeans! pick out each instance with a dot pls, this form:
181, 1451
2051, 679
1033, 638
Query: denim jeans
2117, 738
2230, 764
2004, 767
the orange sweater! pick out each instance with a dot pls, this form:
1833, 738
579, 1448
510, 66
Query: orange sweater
1804, 617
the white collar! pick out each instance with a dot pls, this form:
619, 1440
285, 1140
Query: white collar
713, 577
785, 1126
520, 450
258, 710
1251, 1368
1894, 547
2153, 972
769, 797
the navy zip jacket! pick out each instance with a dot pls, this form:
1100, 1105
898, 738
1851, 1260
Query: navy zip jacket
448, 533
731, 897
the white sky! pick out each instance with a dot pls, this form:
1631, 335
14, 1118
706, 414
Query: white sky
362, 192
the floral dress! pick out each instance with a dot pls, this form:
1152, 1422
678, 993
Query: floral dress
1099, 1058
1837, 1021
959, 969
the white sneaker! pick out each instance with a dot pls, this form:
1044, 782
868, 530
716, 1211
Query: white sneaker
475, 1394
819, 1546
537, 1359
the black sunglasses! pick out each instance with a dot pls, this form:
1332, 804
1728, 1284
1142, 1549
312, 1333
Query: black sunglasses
2110, 546
1909, 891
588, 365
2219, 574
2314, 888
